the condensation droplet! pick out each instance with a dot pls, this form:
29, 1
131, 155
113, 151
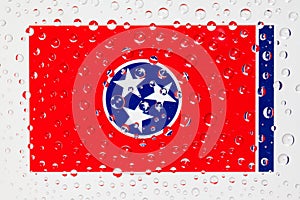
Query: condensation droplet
268, 112
200, 13
117, 172
115, 5
264, 182
163, 13
232, 2
293, 16
278, 85
148, 14
139, 3
111, 24
195, 192
211, 26
132, 183
245, 14
84, 105
77, 22
288, 139
234, 54
271, 2
57, 22
283, 159
2, 22
285, 72
297, 88
8, 38
183, 8
268, 13
93, 25
285, 33
75, 9
214, 180
283, 54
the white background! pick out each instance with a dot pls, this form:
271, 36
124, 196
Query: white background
16, 182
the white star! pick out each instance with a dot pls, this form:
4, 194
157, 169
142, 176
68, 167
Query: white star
129, 84
136, 116
161, 94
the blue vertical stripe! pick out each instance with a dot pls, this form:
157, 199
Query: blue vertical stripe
266, 98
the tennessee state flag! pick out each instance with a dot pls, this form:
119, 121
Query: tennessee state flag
151, 98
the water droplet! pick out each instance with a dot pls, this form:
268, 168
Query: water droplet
122, 195
88, 186
238, 140
199, 39
293, 16
111, 24
283, 54
216, 6
268, 112
183, 182
19, 57
297, 88
117, 172
129, 11
77, 22
267, 55
234, 53
30, 31
232, 2
185, 120
195, 192
285, 72
2, 22
185, 163
84, 105
132, 183
26, 95
264, 182
268, 13
211, 26
58, 145
200, 14
183, 8
214, 180
248, 116
278, 85
115, 5
139, 3
74, 173
271, 2
285, 33
55, 43
209, 119
228, 73
245, 14
75, 9
221, 36
232, 25
148, 14
8, 38
283, 159
264, 161
93, 25
288, 139
163, 13
57, 22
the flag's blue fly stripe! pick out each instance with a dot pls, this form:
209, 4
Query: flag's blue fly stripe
266, 66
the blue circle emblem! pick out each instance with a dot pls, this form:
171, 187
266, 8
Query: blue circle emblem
142, 98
